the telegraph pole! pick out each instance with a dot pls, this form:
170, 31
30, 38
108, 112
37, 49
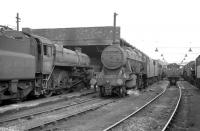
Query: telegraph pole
18, 20
114, 28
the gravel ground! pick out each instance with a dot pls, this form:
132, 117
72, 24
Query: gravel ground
111, 113
153, 117
188, 115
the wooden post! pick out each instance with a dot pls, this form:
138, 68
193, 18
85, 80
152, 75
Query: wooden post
18, 20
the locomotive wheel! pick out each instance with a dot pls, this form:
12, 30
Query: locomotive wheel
125, 91
122, 92
140, 84
78, 87
63, 80
147, 83
101, 92
48, 93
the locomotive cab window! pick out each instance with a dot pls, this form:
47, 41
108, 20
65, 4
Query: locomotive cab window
47, 50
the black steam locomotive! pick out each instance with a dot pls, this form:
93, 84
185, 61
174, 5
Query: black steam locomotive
33, 65
191, 72
126, 67
173, 72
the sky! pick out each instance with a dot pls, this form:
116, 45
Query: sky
172, 26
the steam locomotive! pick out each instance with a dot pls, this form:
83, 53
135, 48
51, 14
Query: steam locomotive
191, 72
173, 72
126, 67
33, 65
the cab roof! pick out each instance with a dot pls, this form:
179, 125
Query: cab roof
42, 39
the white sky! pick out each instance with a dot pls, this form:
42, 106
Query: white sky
171, 25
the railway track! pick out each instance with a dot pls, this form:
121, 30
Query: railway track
30, 114
29, 120
175, 110
42, 100
133, 114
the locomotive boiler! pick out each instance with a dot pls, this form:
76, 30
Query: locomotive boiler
124, 67
31, 64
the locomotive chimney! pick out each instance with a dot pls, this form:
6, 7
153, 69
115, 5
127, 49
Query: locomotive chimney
114, 29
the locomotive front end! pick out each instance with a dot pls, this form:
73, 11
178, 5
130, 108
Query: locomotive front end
113, 59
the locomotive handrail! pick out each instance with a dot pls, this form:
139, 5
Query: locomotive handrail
50, 74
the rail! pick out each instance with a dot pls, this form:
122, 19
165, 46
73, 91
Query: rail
79, 101
170, 119
135, 112
117, 123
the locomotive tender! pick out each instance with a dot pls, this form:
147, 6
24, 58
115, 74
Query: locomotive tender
31, 64
173, 72
126, 67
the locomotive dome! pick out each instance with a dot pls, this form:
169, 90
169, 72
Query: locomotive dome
113, 57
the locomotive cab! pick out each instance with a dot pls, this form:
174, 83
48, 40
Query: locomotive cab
45, 55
